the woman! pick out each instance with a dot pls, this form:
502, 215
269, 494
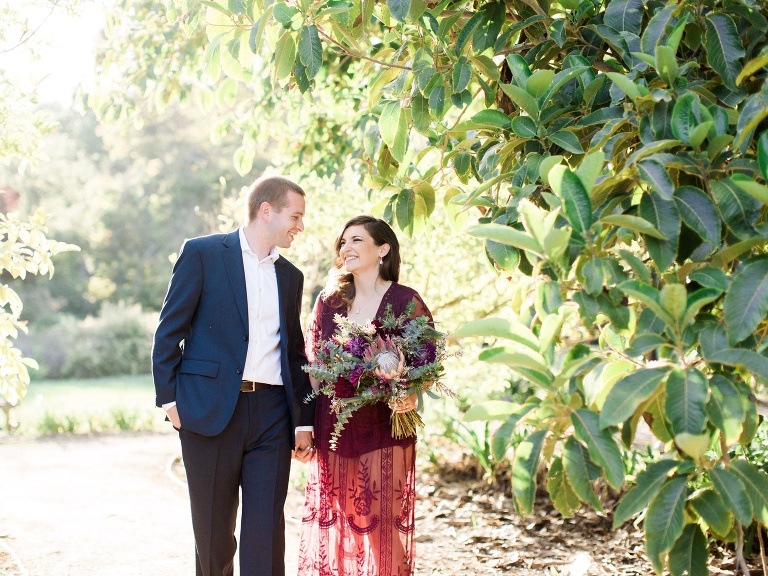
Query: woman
359, 509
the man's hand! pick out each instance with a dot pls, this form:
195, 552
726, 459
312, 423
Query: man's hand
173, 416
305, 446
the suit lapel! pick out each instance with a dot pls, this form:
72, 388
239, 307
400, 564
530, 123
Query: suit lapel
283, 291
233, 260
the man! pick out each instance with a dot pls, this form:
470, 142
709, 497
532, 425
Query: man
226, 362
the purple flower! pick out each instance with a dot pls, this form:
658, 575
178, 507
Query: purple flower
426, 354
354, 375
356, 346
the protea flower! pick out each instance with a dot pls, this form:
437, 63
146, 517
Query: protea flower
387, 357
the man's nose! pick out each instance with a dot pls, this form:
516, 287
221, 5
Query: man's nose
301, 225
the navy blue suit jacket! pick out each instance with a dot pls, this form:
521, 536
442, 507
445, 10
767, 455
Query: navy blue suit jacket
201, 339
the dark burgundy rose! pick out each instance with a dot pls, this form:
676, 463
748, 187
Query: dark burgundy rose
344, 389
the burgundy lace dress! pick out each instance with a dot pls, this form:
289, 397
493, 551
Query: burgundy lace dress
359, 509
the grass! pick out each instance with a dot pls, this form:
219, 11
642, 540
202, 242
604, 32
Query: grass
89, 405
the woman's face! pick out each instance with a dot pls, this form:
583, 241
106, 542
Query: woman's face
358, 251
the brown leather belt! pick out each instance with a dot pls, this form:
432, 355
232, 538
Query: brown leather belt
251, 386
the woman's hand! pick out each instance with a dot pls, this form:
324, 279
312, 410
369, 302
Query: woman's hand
406, 404
315, 383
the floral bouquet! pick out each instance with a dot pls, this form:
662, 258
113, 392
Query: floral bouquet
381, 361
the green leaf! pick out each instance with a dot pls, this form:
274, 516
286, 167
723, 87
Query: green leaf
284, 13
462, 72
762, 154
724, 47
437, 101
561, 78
657, 177
602, 447
664, 520
285, 56
739, 210
503, 256
515, 358
649, 296
746, 302
625, 84
738, 357
310, 50
539, 82
502, 438
590, 167
697, 300
624, 15
731, 489
690, 553
752, 67
711, 508
663, 215
725, 409
525, 465
561, 492
399, 9
491, 410
492, 118
212, 59
405, 205
684, 119
524, 127
581, 470
506, 235
628, 393
754, 189
687, 395
751, 115
632, 223
466, 32
567, 140
521, 98
656, 28
699, 213
389, 121
711, 277
756, 483
257, 30
420, 113
666, 64
498, 328
578, 206
647, 486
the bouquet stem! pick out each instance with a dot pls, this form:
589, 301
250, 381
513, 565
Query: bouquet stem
404, 424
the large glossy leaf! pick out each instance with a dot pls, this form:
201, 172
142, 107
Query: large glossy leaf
756, 483
507, 235
725, 408
656, 28
711, 277
524, 127
664, 520
628, 393
578, 206
399, 9
697, 300
498, 328
646, 487
567, 141
711, 508
491, 410
560, 489
684, 116
581, 471
521, 98
724, 47
649, 296
515, 357
739, 210
687, 395
657, 177
310, 50
502, 438
746, 302
632, 223
738, 357
762, 154
699, 213
525, 465
733, 492
663, 215
624, 15
601, 445
690, 553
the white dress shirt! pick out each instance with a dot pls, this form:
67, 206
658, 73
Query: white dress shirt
262, 361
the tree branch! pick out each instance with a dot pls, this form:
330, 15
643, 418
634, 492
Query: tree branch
23, 38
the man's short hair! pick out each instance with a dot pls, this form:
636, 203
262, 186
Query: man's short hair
273, 190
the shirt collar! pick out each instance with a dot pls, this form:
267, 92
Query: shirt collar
273, 254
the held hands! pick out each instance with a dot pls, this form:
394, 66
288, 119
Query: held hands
305, 446
406, 404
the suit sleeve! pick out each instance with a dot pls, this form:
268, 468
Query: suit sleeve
301, 385
176, 316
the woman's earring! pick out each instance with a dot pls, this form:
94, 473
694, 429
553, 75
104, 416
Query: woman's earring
381, 260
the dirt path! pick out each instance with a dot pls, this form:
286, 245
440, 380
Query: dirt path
99, 506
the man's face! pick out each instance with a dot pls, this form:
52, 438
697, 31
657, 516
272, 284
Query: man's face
285, 224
